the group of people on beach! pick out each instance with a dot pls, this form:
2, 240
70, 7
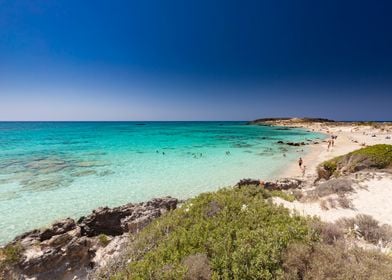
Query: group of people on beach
302, 167
331, 141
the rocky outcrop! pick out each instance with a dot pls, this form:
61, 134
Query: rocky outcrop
296, 144
68, 249
281, 184
248, 182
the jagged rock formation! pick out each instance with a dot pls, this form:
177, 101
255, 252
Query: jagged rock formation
281, 184
68, 249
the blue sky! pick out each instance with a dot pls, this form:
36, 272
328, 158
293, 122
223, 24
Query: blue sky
195, 60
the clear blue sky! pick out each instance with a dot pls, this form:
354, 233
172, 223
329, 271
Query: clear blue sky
195, 60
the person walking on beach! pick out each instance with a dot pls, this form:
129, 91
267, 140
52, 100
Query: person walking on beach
300, 162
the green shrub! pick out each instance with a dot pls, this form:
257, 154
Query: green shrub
326, 169
284, 195
103, 239
381, 155
330, 166
243, 240
377, 156
238, 234
9, 255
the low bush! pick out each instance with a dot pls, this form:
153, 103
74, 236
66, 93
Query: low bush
239, 234
381, 155
334, 261
284, 195
329, 233
376, 156
244, 240
326, 169
11, 254
103, 239
198, 267
298, 194
369, 228
344, 202
338, 186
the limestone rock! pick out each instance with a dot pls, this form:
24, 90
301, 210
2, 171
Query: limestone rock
68, 249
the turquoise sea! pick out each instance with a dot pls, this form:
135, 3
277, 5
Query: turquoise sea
52, 170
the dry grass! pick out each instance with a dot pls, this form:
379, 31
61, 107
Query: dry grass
331, 202
198, 267
329, 232
323, 261
334, 186
332, 258
369, 228
344, 202
324, 205
298, 194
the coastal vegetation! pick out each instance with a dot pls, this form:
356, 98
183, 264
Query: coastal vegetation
9, 255
233, 233
103, 239
237, 233
371, 157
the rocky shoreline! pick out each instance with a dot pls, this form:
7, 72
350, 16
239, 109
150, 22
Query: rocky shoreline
71, 249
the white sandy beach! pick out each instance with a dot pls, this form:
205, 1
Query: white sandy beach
371, 196
350, 138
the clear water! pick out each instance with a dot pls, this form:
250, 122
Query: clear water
55, 170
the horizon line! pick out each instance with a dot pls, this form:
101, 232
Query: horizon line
59, 121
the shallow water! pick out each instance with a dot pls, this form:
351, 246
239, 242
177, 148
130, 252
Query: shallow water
55, 170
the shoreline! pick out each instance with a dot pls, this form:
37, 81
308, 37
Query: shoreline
100, 239
371, 188
350, 138
313, 154
57, 177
